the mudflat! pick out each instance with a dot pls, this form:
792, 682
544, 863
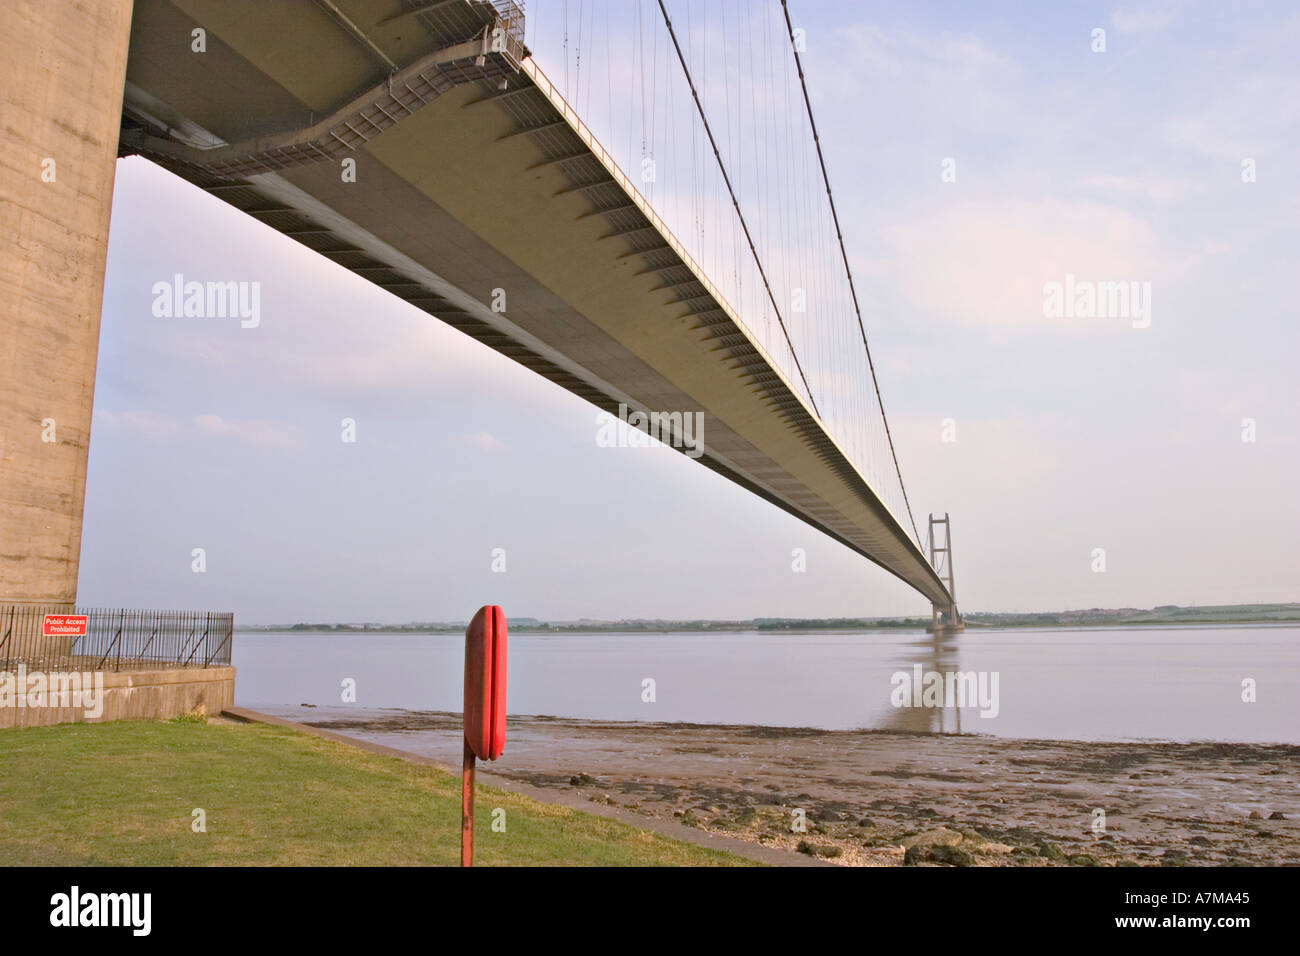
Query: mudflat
884, 798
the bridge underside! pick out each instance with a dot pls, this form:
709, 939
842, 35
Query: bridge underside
473, 175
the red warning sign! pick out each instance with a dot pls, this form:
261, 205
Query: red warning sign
64, 625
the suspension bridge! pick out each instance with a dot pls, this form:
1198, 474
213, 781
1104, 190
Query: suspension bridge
687, 259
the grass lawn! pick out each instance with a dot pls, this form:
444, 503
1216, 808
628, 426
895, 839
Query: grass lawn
123, 793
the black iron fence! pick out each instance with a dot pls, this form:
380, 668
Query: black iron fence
51, 637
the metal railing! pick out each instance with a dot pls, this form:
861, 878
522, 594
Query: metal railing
114, 639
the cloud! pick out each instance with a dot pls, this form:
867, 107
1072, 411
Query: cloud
259, 432
965, 51
1144, 20
485, 440
142, 422
945, 84
999, 456
149, 424
1236, 113
1243, 121
985, 262
895, 51
1161, 188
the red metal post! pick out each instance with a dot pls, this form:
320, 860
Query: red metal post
467, 807
485, 709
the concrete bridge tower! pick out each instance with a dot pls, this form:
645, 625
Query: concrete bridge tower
944, 620
62, 71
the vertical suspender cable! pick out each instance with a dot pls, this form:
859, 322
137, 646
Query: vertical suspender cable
721, 166
845, 256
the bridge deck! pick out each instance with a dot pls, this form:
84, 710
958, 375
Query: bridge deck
463, 188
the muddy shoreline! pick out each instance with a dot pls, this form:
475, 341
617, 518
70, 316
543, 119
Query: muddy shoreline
881, 798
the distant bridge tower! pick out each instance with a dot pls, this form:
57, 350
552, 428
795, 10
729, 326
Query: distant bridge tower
946, 620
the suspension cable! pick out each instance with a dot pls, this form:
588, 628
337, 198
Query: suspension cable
845, 256
735, 202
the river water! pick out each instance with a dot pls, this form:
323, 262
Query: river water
1173, 683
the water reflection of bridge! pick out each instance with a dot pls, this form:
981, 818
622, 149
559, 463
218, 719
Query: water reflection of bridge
938, 653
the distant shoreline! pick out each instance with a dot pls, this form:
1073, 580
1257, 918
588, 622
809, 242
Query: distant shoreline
1093, 617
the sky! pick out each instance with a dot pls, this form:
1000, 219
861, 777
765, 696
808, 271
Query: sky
977, 153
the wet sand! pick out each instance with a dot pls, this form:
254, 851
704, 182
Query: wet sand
871, 798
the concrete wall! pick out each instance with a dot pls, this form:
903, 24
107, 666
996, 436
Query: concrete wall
62, 69
136, 695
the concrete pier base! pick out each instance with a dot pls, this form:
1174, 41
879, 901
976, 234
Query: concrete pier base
945, 621
131, 695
